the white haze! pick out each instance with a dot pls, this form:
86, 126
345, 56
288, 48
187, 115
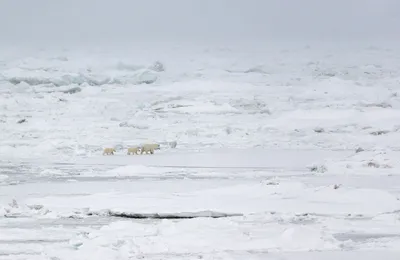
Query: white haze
127, 21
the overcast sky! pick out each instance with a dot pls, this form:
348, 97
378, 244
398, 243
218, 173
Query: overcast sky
105, 21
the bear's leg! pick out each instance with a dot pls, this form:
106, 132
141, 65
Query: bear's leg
152, 151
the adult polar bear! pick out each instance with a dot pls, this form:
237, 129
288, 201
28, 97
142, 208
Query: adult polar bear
149, 148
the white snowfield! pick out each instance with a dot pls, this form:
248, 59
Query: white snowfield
281, 153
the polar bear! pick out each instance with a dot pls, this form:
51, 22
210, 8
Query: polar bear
109, 151
146, 148
133, 150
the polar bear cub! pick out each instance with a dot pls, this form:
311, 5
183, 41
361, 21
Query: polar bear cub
109, 151
133, 150
149, 148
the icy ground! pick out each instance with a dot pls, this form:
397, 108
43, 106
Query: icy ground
282, 153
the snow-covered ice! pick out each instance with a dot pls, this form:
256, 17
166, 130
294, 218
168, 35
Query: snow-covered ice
267, 152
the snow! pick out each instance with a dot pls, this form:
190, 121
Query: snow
278, 152
248, 199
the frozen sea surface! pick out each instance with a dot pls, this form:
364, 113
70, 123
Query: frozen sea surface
282, 153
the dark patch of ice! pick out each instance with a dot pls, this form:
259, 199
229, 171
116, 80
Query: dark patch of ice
359, 237
181, 215
319, 130
359, 150
72, 90
379, 132
317, 168
382, 105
